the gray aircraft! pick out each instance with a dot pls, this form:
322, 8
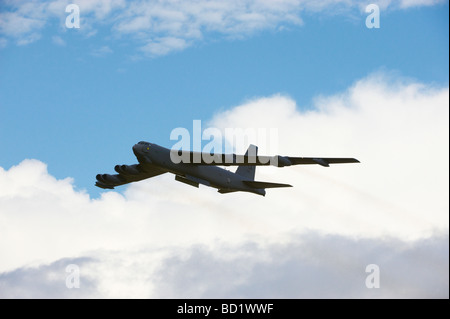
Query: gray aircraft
195, 168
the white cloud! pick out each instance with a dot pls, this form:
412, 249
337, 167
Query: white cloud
392, 127
399, 193
164, 45
153, 23
14, 24
419, 3
309, 266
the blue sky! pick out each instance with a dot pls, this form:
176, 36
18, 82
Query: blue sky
79, 106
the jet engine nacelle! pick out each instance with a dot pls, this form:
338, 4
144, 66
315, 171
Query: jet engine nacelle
127, 169
109, 179
283, 161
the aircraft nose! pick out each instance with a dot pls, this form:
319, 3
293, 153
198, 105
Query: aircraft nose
135, 149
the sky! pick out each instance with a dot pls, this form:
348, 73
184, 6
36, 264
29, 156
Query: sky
73, 101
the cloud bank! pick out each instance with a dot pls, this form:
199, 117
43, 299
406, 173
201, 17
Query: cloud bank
309, 266
160, 27
312, 240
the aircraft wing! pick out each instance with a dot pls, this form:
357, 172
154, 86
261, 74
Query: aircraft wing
249, 160
324, 161
127, 174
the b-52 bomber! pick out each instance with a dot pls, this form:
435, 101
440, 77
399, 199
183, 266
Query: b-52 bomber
195, 168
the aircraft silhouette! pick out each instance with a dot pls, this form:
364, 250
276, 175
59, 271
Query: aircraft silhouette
195, 168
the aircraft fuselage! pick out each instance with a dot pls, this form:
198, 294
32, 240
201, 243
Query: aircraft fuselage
151, 154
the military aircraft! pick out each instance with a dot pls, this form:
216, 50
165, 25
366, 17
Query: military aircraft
195, 168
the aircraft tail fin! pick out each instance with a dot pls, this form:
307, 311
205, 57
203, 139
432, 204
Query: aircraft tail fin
260, 185
248, 171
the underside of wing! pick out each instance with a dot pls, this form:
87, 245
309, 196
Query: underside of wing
226, 191
324, 161
126, 174
260, 185
199, 158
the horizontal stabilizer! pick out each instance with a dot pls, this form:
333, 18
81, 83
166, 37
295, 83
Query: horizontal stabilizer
264, 184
